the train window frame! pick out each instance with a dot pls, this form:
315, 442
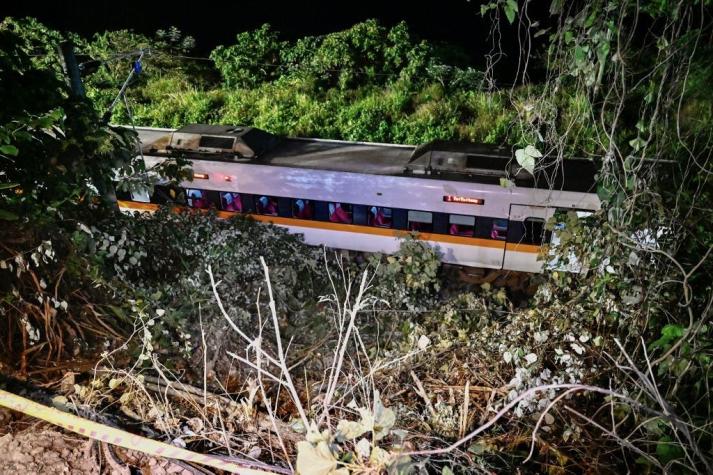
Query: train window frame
483, 227
321, 211
348, 211
440, 223
308, 204
423, 217
495, 230
360, 215
465, 225
399, 218
284, 207
258, 204
530, 237
524, 232
248, 203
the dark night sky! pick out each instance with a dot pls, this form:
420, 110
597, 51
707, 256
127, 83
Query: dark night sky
213, 23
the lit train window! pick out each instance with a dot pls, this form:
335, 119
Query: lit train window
421, 221
499, 229
230, 201
302, 209
340, 213
266, 205
197, 199
461, 225
380, 217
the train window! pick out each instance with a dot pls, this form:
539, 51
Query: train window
421, 221
534, 231
380, 217
163, 194
197, 199
141, 195
284, 207
530, 231
461, 225
302, 209
340, 213
499, 229
230, 201
266, 205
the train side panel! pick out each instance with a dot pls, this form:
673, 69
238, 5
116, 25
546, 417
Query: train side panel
401, 192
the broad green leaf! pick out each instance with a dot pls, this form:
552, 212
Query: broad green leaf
7, 186
667, 450
602, 51
637, 143
604, 193
510, 10
505, 183
672, 331
9, 150
526, 157
669, 333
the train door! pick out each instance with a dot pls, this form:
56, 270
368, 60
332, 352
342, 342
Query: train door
525, 236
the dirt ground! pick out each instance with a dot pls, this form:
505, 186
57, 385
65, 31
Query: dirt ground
29, 447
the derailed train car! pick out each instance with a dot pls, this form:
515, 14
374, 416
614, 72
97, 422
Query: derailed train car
366, 196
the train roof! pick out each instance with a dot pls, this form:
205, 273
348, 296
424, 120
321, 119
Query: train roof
470, 162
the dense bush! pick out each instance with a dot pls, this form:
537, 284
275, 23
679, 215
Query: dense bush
170, 253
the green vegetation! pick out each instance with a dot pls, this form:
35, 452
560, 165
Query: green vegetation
607, 370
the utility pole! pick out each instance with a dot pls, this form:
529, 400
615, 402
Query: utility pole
71, 68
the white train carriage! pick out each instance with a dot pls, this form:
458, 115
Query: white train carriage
367, 197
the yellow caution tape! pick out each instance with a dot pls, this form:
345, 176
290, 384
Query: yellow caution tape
118, 437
